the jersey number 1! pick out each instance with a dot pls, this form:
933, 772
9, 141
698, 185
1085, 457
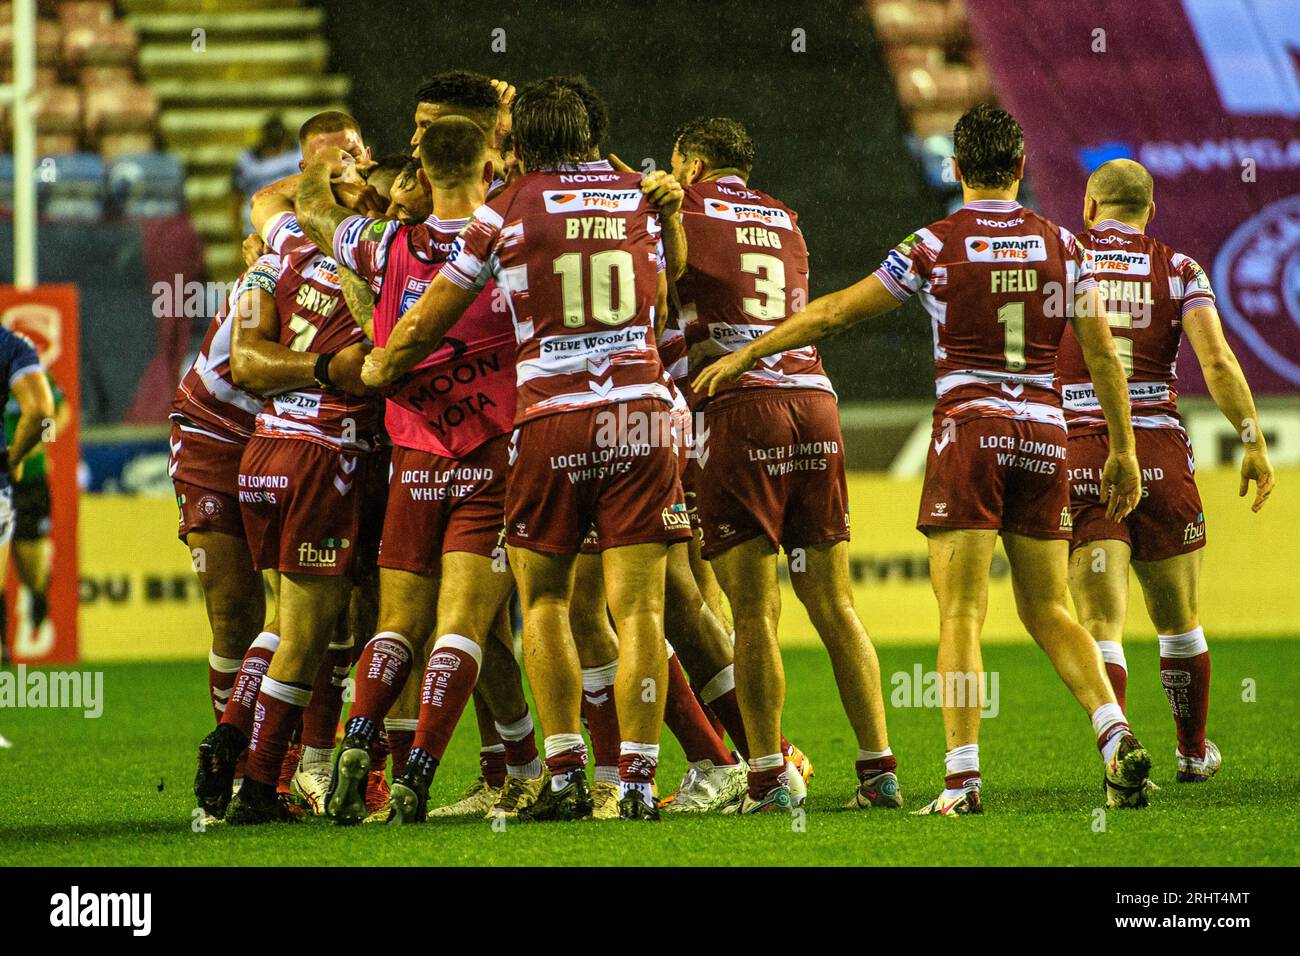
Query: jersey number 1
1012, 316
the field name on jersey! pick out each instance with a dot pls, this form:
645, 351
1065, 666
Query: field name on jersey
738, 212
1122, 290
595, 227
1003, 248
1013, 280
314, 300
603, 200
756, 236
1117, 260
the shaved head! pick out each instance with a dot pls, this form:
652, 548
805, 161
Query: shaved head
1122, 187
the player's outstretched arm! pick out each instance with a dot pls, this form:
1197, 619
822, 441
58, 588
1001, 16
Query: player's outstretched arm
35, 407
418, 332
1230, 391
1121, 478
824, 317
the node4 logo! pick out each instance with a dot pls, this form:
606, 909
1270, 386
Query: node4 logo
1257, 281
592, 200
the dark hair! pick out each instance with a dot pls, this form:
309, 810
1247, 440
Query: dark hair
451, 148
550, 124
597, 112
386, 171
470, 93
719, 141
330, 121
988, 144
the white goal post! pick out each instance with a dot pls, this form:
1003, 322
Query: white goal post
20, 95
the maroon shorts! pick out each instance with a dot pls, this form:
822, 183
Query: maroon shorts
437, 504
564, 483
302, 503
1168, 521
772, 465
997, 473
205, 473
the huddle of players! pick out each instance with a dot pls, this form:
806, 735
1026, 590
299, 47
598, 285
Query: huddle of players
525, 334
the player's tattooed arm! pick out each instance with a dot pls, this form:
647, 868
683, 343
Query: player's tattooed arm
259, 363
319, 213
360, 299
418, 333
1231, 393
1121, 478
824, 317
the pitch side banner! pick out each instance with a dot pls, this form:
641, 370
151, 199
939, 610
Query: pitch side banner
47, 315
1206, 95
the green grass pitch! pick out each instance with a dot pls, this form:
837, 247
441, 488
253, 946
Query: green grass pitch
116, 790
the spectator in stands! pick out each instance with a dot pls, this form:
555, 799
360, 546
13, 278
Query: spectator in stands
275, 156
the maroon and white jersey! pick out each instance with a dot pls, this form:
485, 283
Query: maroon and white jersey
207, 399
464, 393
746, 272
1148, 289
577, 253
999, 282
313, 318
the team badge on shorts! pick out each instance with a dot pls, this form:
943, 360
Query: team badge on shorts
1067, 522
676, 516
210, 506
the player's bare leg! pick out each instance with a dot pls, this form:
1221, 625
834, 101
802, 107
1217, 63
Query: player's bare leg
823, 588
310, 606
747, 573
634, 588
232, 596
551, 660
1171, 588
707, 582
1039, 572
1099, 586
959, 575
4, 563
597, 646
470, 598
32, 568
501, 689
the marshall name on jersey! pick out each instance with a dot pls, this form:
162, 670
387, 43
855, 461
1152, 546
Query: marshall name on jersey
1148, 289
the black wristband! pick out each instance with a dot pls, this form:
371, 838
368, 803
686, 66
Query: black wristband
322, 371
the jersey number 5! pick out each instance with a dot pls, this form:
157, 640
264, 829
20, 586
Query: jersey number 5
613, 287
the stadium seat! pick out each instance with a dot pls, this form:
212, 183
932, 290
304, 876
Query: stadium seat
56, 144
58, 109
6, 180
115, 145
105, 75
118, 109
84, 13
113, 42
48, 38
70, 187
147, 184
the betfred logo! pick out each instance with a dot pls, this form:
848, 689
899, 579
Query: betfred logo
1116, 260
1006, 249
742, 212
592, 200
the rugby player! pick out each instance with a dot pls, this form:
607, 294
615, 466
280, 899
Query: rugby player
577, 255
1000, 283
303, 481
1154, 296
22, 377
774, 472
450, 423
